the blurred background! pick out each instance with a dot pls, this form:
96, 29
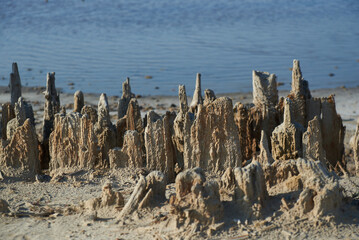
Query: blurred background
94, 45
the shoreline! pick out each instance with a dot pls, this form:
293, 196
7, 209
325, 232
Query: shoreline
27, 89
347, 101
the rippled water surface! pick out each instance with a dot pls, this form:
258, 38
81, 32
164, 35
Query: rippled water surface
97, 44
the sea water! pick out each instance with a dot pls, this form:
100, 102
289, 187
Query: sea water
93, 45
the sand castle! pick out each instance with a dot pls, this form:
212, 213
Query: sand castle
220, 157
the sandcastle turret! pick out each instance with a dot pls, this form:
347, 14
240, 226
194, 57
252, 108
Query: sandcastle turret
197, 96
15, 84
78, 101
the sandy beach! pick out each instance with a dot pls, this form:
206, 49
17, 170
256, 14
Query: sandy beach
54, 210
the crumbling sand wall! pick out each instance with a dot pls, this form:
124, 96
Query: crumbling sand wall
77, 141
196, 200
212, 141
160, 152
130, 155
19, 157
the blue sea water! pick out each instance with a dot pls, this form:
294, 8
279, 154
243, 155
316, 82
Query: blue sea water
96, 44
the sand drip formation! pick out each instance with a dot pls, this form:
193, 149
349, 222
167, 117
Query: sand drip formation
219, 157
